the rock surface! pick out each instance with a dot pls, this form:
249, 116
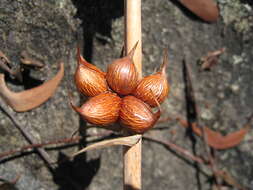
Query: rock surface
50, 31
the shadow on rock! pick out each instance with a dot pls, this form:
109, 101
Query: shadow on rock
97, 17
76, 174
249, 2
130, 187
28, 81
191, 112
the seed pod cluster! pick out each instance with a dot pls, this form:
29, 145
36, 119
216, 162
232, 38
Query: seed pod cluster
118, 95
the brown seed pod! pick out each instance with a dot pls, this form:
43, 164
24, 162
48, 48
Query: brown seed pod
154, 87
122, 75
102, 109
137, 116
89, 79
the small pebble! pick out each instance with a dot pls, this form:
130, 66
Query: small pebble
235, 88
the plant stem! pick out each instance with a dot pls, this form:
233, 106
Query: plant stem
132, 155
133, 31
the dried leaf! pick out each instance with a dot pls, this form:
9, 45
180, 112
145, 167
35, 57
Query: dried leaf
217, 140
211, 59
5, 66
27, 60
127, 141
230, 180
205, 9
32, 98
4, 58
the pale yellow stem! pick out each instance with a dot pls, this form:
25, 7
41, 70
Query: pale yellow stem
132, 155
133, 31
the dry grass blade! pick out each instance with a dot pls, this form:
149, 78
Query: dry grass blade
205, 9
32, 98
127, 141
28, 137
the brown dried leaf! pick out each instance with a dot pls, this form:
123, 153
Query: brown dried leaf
205, 9
4, 58
32, 98
211, 59
5, 66
217, 140
230, 180
27, 60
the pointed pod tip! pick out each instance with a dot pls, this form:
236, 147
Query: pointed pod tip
165, 61
122, 53
132, 51
80, 58
78, 53
77, 109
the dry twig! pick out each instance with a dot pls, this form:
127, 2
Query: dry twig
53, 142
191, 98
28, 137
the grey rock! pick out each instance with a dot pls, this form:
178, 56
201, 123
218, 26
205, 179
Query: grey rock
50, 31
